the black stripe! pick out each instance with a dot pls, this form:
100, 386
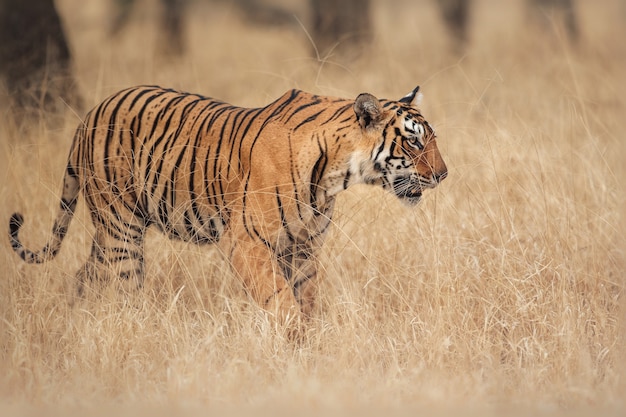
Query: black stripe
309, 119
303, 107
254, 114
173, 176
283, 218
346, 179
294, 181
316, 176
111, 130
163, 155
337, 114
163, 211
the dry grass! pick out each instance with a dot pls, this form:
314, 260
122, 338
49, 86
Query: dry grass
502, 291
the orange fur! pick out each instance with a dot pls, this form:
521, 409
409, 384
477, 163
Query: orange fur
260, 182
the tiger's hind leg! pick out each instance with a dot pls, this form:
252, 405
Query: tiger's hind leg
117, 253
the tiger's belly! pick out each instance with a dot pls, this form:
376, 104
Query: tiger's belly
186, 203
189, 222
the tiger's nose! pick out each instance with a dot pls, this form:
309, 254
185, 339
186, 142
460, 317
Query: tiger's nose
440, 176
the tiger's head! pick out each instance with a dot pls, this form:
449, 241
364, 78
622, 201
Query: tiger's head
405, 159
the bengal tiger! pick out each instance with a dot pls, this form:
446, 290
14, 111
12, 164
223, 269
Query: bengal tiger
260, 182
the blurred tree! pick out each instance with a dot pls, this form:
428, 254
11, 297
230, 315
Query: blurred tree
35, 60
455, 15
548, 12
171, 23
259, 13
340, 26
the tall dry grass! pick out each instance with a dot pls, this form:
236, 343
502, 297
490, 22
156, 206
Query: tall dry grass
501, 291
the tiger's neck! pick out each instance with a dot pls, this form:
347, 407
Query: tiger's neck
355, 168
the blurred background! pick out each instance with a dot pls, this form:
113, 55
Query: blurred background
71, 53
504, 286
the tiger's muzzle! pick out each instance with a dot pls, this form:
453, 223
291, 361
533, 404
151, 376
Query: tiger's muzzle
410, 188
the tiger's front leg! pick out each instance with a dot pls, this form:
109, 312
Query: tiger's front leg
298, 262
263, 279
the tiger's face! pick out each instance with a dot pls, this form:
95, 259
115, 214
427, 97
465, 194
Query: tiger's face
406, 160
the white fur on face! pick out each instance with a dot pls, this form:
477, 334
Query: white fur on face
414, 127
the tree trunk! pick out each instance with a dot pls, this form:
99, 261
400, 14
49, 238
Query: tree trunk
35, 60
340, 28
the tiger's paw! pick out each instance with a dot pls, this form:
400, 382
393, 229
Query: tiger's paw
287, 315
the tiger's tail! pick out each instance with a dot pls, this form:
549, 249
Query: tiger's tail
69, 199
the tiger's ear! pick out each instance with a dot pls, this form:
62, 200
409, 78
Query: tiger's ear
414, 98
368, 110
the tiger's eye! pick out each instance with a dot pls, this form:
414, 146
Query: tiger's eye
414, 141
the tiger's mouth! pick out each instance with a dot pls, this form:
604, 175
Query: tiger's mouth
408, 190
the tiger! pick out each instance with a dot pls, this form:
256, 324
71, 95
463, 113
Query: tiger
261, 183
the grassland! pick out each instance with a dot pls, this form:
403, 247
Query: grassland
502, 292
